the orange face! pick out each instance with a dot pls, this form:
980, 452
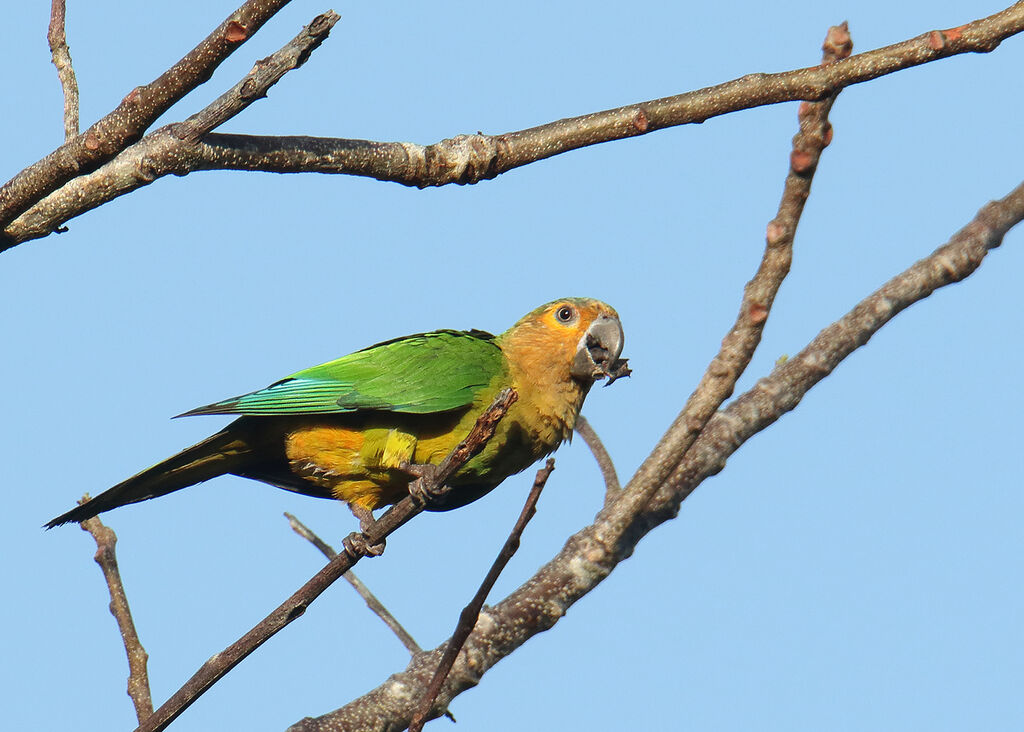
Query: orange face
572, 337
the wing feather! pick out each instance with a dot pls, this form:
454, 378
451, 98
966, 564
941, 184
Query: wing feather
419, 374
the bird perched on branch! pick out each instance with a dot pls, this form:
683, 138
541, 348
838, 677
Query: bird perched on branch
349, 429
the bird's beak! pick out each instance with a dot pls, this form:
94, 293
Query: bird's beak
597, 354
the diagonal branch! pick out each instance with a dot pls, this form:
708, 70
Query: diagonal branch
136, 112
592, 553
61, 56
375, 605
106, 557
471, 613
431, 484
741, 341
472, 158
783, 389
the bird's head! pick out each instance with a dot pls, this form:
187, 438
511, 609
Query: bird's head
578, 334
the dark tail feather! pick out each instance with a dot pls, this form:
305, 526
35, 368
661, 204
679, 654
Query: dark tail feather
216, 455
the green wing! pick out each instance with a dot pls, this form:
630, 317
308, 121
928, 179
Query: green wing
418, 374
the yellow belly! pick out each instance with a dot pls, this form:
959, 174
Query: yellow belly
358, 458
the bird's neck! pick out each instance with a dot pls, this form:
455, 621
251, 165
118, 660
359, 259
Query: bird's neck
549, 397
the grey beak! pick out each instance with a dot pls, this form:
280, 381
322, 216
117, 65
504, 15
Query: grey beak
599, 349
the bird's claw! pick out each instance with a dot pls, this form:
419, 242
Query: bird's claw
357, 546
358, 541
424, 487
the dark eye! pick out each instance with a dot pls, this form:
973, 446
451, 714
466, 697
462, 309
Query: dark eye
564, 313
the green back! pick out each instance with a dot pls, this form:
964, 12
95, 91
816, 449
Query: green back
418, 374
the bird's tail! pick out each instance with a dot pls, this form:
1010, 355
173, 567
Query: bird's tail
221, 453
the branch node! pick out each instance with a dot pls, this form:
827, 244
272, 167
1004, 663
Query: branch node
758, 313
802, 162
954, 34
640, 122
235, 32
838, 43
463, 159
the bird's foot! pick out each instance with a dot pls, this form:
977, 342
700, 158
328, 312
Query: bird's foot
357, 546
358, 541
424, 488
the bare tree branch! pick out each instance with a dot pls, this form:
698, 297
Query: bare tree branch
783, 389
106, 557
741, 341
430, 485
472, 158
258, 81
61, 56
136, 112
375, 605
471, 613
592, 553
160, 152
612, 487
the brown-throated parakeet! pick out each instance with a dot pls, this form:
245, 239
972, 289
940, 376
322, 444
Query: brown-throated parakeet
344, 429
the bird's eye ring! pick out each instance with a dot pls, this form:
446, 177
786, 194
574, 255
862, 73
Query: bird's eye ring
564, 314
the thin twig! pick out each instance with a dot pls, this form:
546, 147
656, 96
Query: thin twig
591, 554
739, 344
612, 487
136, 112
375, 605
432, 484
264, 74
106, 557
472, 158
470, 614
60, 54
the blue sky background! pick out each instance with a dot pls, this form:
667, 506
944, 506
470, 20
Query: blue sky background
856, 566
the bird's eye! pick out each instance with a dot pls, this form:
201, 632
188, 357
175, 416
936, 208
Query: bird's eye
564, 314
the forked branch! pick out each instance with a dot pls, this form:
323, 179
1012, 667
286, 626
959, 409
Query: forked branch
135, 113
162, 151
461, 159
740, 343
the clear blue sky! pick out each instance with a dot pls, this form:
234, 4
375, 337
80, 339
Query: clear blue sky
856, 566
